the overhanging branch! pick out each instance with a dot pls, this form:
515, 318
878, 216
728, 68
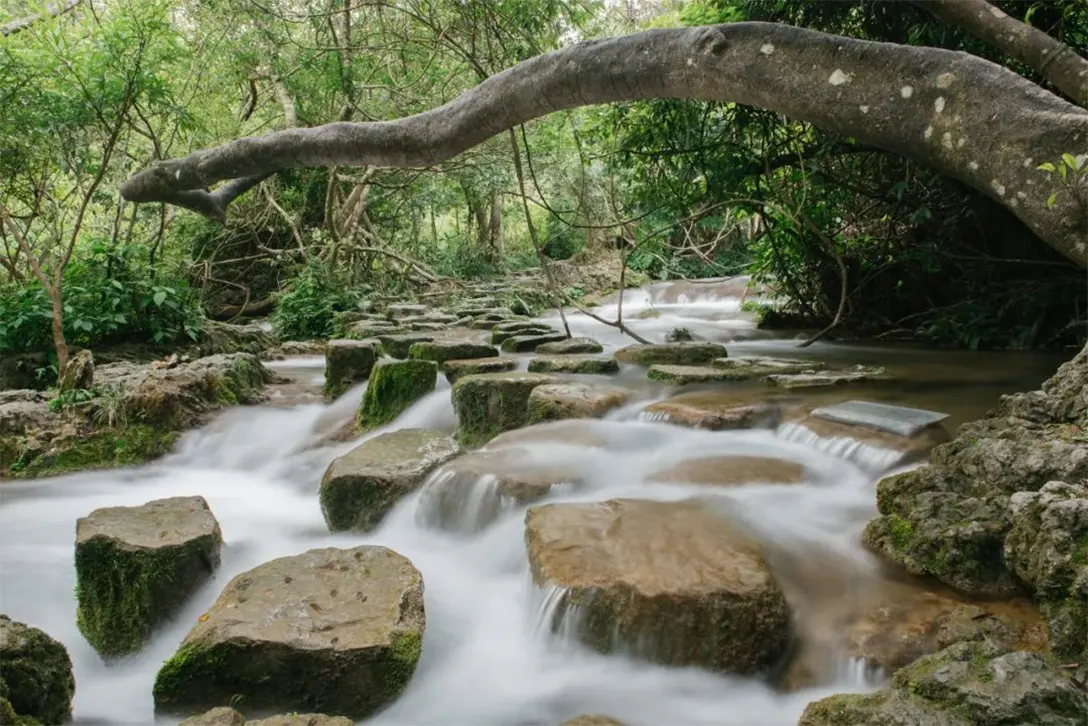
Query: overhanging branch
51, 11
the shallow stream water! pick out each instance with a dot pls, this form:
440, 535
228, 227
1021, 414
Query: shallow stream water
487, 658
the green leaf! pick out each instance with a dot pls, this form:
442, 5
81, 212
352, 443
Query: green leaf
1046, 166
1071, 161
159, 297
1051, 200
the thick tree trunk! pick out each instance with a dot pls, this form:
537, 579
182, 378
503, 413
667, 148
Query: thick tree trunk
1052, 59
962, 115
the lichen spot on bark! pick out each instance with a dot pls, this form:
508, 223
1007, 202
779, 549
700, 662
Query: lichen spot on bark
998, 187
906, 91
938, 105
766, 48
838, 77
944, 80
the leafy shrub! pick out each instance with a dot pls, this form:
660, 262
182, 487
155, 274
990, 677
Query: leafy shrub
560, 241
464, 259
307, 308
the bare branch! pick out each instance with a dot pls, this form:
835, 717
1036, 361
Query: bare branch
51, 11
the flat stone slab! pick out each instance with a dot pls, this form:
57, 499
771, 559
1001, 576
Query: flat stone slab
529, 343
441, 351
732, 470
898, 420
858, 374
671, 353
369, 329
571, 346
558, 401
455, 369
677, 375
757, 367
407, 310
337, 631
715, 410
360, 487
588, 364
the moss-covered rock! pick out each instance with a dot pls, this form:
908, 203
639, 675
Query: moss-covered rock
967, 684
441, 351
499, 336
529, 342
394, 386
558, 401
571, 346
368, 329
360, 487
347, 363
397, 345
335, 631
217, 337
36, 684
665, 581
749, 368
79, 373
676, 375
671, 353
136, 567
588, 364
490, 403
456, 369
226, 716
107, 448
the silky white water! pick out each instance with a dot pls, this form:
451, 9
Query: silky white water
489, 655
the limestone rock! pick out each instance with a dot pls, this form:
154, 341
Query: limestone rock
592, 719
677, 375
489, 403
671, 353
1047, 547
732, 471
136, 566
518, 326
557, 401
365, 329
967, 684
79, 373
394, 386
498, 337
575, 431
574, 364
347, 362
905, 449
570, 346
470, 492
455, 369
219, 337
226, 716
757, 367
529, 343
360, 487
337, 631
664, 581
825, 379
715, 410
397, 345
397, 311
441, 351
35, 676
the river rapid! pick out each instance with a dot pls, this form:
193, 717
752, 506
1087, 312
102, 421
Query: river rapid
489, 657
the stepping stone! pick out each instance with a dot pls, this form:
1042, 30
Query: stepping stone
874, 440
368, 329
897, 420
732, 471
858, 374
456, 369
501, 336
571, 346
745, 368
441, 351
397, 345
488, 404
676, 375
671, 353
557, 401
517, 326
715, 410
489, 322
394, 386
347, 363
136, 567
529, 343
406, 310
600, 365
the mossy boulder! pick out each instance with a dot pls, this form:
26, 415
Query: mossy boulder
226, 716
671, 353
441, 351
397, 345
571, 346
456, 369
335, 631
715, 410
489, 403
219, 337
347, 363
966, 684
557, 401
529, 342
36, 683
136, 567
668, 582
360, 487
588, 364
74, 450
393, 387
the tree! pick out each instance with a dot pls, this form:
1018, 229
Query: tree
964, 116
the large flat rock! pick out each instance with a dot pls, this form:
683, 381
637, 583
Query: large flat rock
456, 369
715, 410
732, 470
664, 581
558, 401
335, 631
136, 566
587, 364
490, 403
897, 420
671, 353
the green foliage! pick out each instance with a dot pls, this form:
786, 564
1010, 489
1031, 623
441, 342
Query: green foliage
464, 259
561, 242
307, 308
71, 397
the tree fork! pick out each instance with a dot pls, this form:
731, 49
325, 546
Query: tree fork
959, 114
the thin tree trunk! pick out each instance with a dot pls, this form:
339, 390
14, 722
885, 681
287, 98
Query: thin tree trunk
496, 235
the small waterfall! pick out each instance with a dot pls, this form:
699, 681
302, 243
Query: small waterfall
856, 673
869, 457
555, 614
447, 502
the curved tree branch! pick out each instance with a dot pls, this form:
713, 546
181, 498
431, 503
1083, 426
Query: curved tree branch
957, 113
51, 11
1052, 59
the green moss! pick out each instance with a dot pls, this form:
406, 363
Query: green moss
844, 709
105, 449
902, 532
353, 502
36, 683
123, 594
1067, 621
347, 364
394, 387
574, 364
442, 352
488, 404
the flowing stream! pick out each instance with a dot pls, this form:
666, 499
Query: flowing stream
489, 657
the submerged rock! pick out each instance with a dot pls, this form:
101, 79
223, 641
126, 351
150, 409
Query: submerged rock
347, 362
79, 373
470, 492
36, 683
967, 684
570, 346
715, 410
226, 716
489, 403
360, 487
456, 369
1047, 548
574, 364
337, 631
394, 386
664, 581
671, 353
732, 470
557, 401
529, 343
441, 351
575, 431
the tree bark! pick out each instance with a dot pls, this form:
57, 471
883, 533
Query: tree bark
959, 114
495, 238
52, 11
1052, 59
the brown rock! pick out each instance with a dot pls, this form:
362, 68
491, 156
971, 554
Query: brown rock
592, 719
715, 410
557, 401
911, 448
733, 470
